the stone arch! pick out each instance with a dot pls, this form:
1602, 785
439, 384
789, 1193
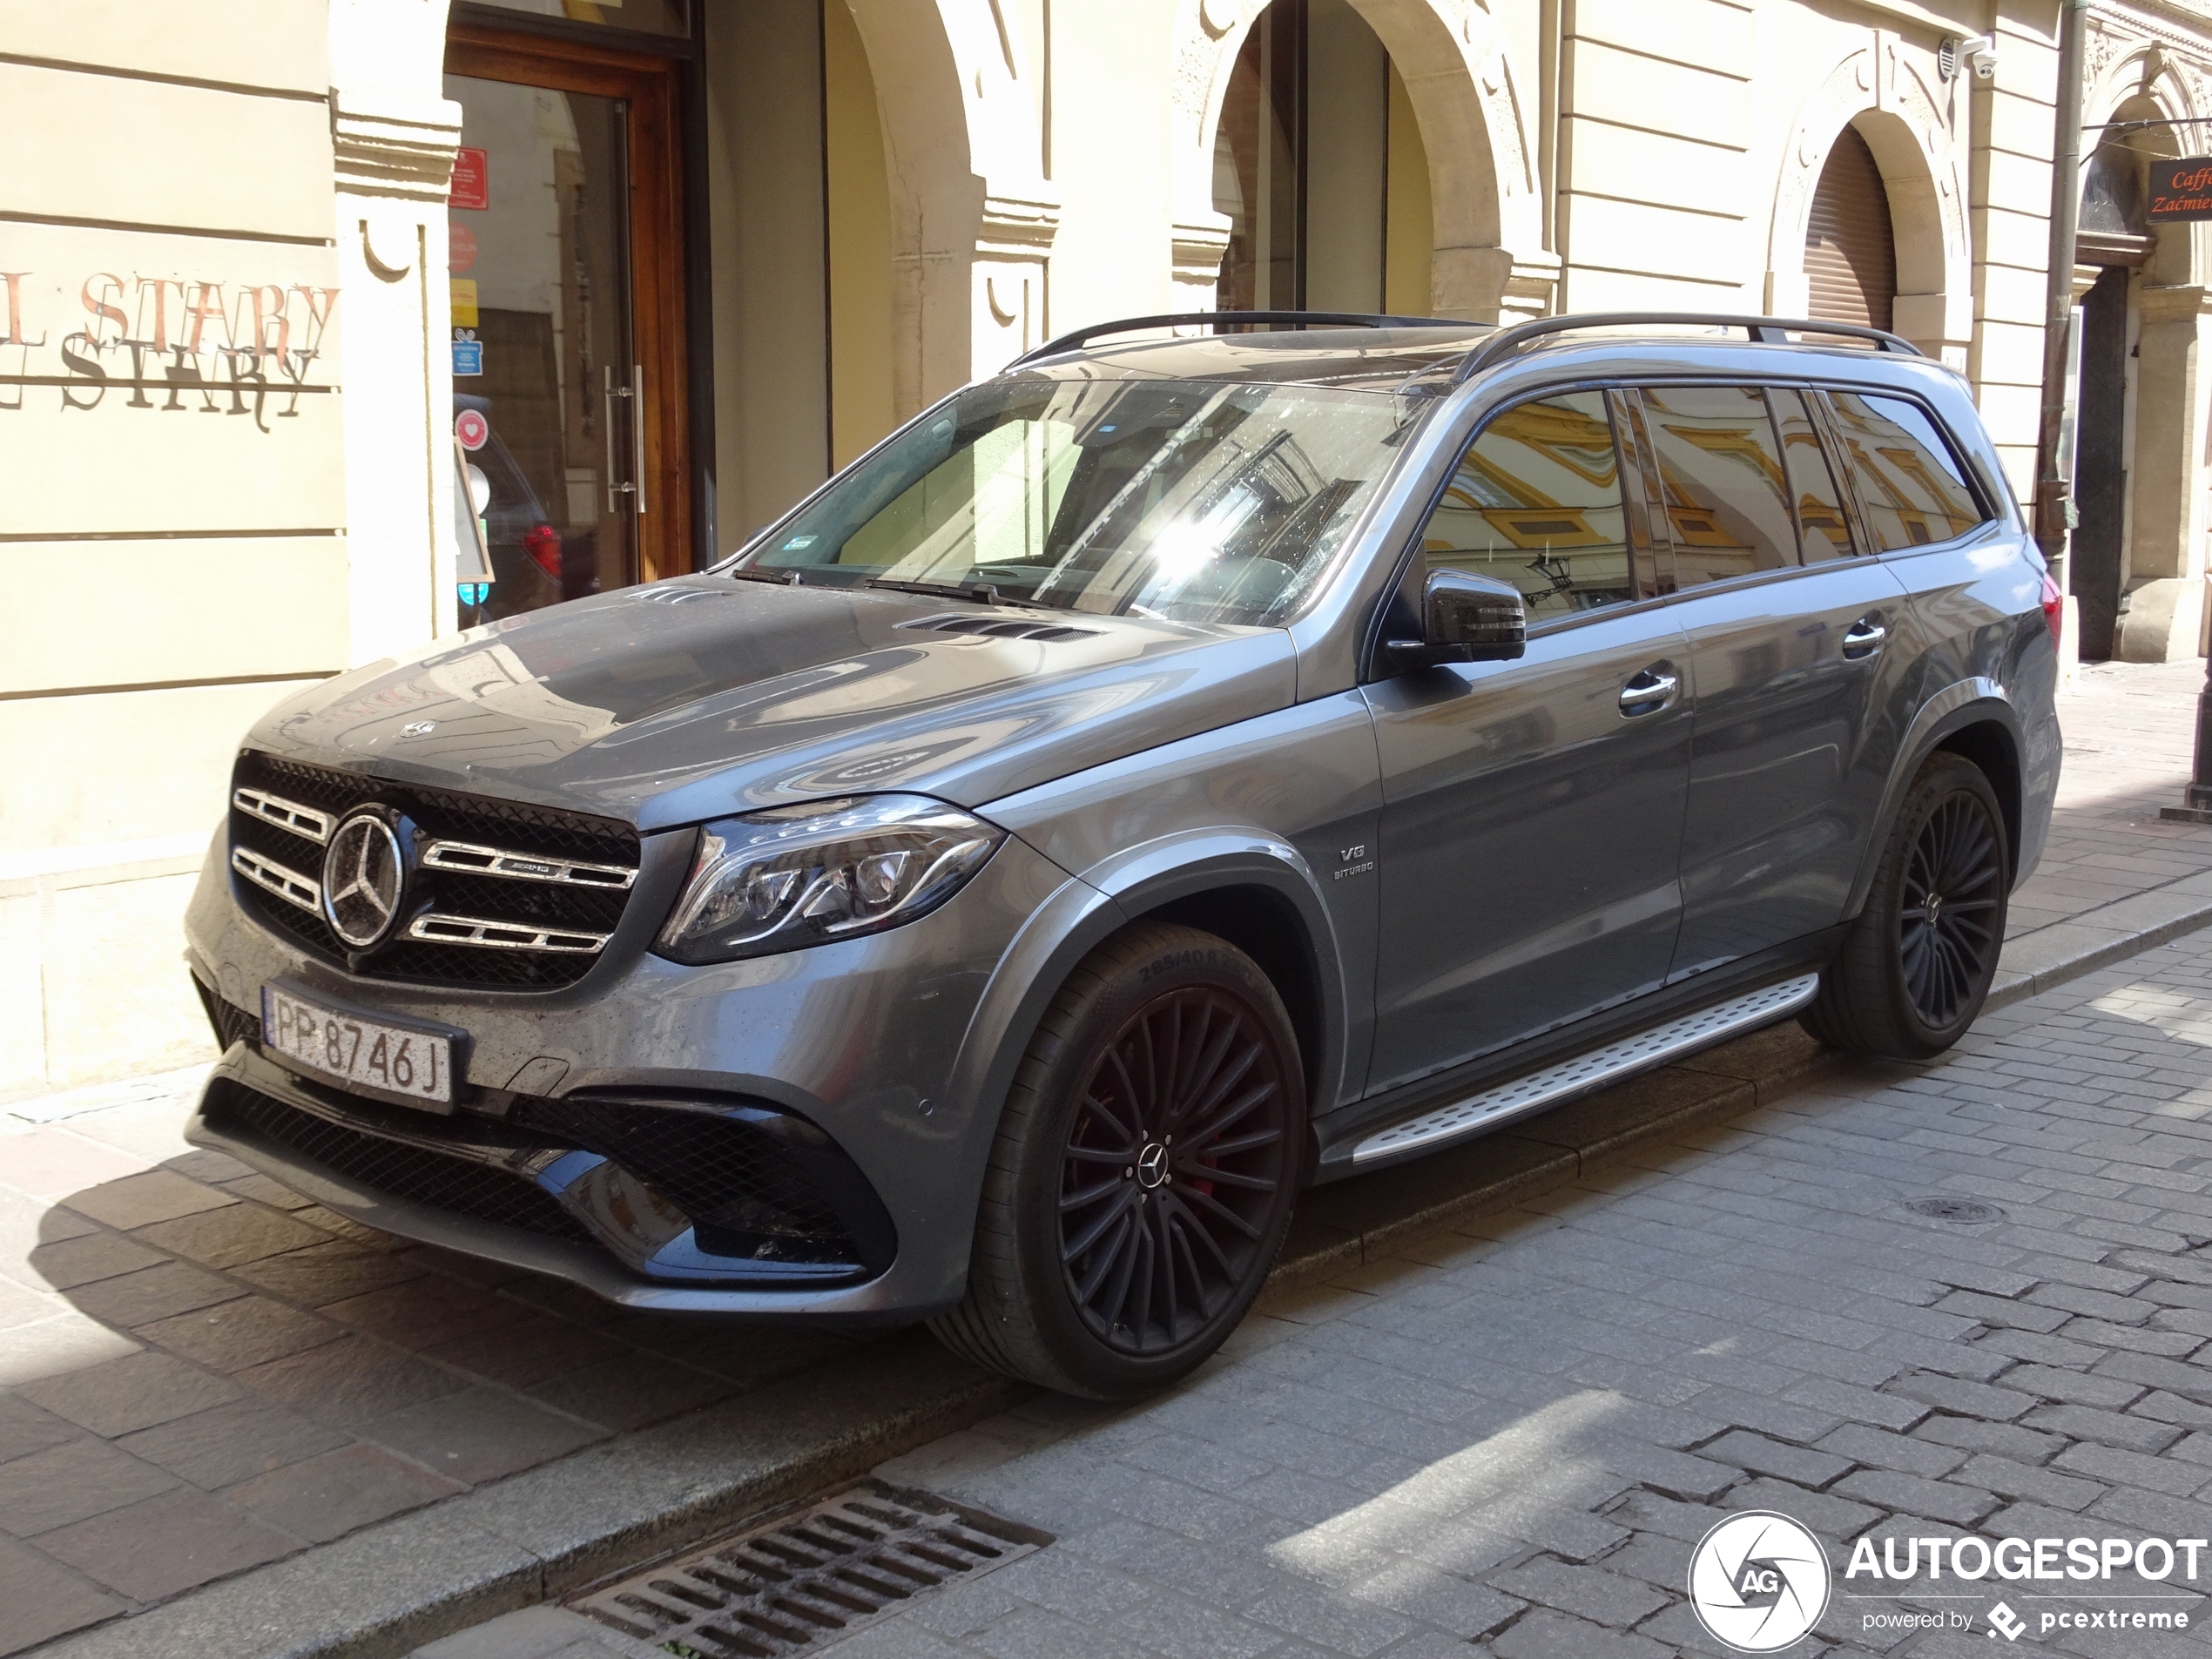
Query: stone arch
972, 219
2140, 81
1886, 90
1468, 101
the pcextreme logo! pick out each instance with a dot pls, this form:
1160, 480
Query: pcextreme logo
1758, 1582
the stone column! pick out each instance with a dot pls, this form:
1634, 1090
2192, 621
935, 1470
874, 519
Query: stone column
393, 137
2165, 587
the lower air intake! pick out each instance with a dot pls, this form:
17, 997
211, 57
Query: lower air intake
800, 1583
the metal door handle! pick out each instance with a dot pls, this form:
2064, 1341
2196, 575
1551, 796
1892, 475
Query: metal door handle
635, 393
637, 433
1650, 691
1865, 637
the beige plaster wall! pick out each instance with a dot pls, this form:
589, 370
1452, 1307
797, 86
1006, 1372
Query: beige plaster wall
179, 420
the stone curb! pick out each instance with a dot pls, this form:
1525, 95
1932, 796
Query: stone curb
2035, 962
382, 1592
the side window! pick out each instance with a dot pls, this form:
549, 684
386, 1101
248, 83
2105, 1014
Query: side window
1912, 490
1824, 531
1536, 502
1726, 500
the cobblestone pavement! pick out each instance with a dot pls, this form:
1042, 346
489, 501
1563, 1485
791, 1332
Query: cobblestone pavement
199, 1372
1513, 1433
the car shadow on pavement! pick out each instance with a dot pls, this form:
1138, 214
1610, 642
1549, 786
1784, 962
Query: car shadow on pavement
232, 1374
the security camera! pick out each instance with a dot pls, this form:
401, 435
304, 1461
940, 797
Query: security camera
1979, 51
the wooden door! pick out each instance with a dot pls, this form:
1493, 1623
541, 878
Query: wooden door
567, 260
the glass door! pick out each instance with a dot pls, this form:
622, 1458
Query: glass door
568, 394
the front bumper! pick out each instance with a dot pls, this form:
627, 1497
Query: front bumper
864, 1041
488, 1187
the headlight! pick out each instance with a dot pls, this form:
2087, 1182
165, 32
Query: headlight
796, 876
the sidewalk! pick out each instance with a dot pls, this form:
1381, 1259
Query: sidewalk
203, 1378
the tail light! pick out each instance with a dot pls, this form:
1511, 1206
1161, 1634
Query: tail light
544, 544
2053, 608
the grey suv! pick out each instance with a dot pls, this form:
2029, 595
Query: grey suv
1168, 773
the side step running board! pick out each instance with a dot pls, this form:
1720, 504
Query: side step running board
1587, 1071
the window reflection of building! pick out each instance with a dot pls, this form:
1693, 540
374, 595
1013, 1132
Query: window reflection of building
1722, 485
1910, 490
1825, 532
1536, 502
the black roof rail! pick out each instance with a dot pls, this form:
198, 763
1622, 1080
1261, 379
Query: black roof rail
1217, 319
1766, 330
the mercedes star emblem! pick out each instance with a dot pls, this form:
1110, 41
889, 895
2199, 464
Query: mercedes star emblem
360, 881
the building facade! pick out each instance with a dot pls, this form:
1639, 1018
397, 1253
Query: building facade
334, 326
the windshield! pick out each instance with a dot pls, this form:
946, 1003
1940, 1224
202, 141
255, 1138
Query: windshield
1194, 501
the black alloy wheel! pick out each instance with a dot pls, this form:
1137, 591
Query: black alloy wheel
1143, 1172
1953, 887
1916, 964
1172, 1169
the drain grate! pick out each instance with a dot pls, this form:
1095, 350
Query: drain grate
800, 1584
1967, 1211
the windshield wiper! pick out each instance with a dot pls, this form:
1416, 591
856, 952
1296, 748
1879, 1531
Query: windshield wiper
781, 579
982, 593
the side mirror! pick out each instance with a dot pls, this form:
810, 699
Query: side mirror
1466, 619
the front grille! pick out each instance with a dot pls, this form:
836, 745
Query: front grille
267, 834
746, 1192
439, 1180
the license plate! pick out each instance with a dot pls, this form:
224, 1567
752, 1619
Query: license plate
395, 1059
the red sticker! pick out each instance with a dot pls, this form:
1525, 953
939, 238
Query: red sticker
470, 427
471, 180
460, 246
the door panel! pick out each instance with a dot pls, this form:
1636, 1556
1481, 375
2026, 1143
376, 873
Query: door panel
1532, 810
1796, 725
569, 386
1530, 835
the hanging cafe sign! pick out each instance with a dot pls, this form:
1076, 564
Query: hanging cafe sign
2180, 189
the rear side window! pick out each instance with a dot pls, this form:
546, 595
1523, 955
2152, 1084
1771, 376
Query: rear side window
1536, 502
1912, 490
1725, 495
1825, 532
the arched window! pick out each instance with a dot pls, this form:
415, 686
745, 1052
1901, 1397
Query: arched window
1320, 169
1851, 251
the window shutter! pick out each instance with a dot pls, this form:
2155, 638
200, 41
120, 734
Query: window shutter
1851, 255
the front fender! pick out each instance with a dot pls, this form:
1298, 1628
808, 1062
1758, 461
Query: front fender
1974, 701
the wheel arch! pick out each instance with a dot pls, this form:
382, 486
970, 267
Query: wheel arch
1263, 924
1992, 747
1976, 719
1251, 887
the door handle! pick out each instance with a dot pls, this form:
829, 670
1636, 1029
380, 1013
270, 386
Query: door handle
1864, 639
635, 393
637, 433
1649, 690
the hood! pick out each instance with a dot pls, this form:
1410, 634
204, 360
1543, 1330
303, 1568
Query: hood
701, 696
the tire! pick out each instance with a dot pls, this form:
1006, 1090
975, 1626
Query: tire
1911, 977
1144, 1173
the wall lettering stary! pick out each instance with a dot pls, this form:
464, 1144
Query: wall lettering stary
164, 343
